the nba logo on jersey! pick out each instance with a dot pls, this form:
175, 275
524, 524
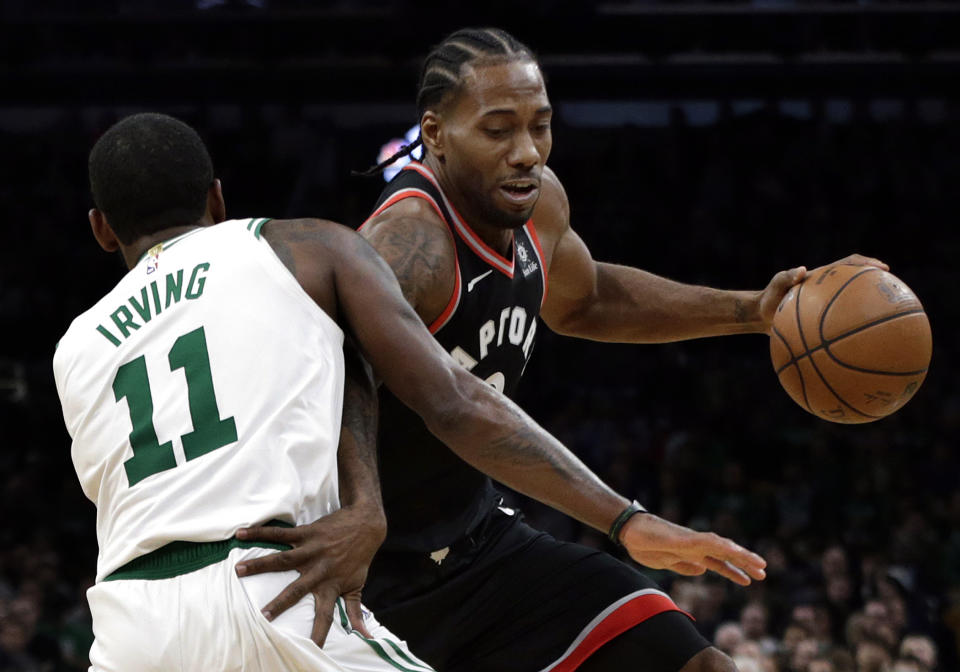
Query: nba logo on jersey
153, 258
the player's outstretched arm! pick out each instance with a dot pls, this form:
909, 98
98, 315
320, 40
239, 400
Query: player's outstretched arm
484, 427
491, 433
608, 302
334, 553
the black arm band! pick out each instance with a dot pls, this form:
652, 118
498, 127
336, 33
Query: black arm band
622, 519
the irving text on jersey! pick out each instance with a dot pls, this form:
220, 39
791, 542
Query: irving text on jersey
148, 304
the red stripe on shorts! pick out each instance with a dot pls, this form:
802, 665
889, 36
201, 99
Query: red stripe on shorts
622, 617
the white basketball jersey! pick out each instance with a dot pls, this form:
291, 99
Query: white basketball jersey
203, 394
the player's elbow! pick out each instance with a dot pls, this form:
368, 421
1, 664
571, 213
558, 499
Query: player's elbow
461, 411
575, 321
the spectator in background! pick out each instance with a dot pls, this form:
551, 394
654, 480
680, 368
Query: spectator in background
792, 636
750, 651
907, 665
857, 629
747, 664
804, 653
15, 637
820, 664
872, 655
833, 563
879, 624
728, 637
839, 603
921, 649
754, 620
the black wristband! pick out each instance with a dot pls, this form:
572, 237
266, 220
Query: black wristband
635, 507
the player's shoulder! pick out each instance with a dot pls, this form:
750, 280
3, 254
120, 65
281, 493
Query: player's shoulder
552, 212
310, 232
87, 321
407, 214
551, 182
411, 225
312, 227
415, 241
311, 247
83, 334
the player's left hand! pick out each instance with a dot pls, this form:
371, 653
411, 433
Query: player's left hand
660, 544
332, 556
781, 283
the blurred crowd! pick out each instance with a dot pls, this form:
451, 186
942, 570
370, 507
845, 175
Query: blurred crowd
860, 524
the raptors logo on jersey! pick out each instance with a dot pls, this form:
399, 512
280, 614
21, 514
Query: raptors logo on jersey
489, 326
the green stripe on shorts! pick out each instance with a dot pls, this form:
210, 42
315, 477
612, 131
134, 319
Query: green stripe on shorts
400, 652
341, 607
373, 644
406, 663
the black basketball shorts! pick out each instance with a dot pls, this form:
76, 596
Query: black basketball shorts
514, 599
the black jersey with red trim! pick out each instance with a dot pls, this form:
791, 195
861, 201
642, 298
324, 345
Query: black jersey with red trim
433, 498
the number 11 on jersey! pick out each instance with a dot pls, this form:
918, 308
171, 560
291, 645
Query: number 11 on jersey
189, 352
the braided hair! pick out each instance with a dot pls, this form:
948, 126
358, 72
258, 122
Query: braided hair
442, 71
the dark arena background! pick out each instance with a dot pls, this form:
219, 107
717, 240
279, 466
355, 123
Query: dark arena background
711, 142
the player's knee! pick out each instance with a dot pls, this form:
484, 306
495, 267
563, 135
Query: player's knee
710, 660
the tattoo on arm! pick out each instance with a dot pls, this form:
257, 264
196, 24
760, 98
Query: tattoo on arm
523, 456
524, 447
284, 235
418, 256
358, 433
360, 414
282, 249
740, 311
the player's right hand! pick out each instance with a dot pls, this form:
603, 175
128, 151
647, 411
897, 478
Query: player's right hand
332, 556
660, 544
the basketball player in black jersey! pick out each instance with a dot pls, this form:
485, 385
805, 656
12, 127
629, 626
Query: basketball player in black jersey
479, 236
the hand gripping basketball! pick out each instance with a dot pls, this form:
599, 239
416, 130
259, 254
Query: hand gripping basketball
851, 343
781, 283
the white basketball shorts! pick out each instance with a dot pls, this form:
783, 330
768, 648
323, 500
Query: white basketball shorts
210, 619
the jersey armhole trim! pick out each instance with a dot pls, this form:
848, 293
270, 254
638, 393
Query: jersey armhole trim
259, 226
396, 197
454, 301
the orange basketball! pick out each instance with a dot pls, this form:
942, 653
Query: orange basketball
850, 343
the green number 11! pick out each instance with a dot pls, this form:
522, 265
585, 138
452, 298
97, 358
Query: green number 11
189, 352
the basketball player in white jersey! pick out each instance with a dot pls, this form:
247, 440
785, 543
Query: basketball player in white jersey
195, 412
203, 395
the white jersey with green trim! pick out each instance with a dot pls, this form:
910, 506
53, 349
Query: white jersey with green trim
203, 394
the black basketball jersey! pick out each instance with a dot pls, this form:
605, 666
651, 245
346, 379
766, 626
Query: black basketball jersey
432, 497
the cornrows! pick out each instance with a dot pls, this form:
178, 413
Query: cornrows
442, 71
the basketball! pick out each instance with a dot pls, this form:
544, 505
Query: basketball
850, 344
